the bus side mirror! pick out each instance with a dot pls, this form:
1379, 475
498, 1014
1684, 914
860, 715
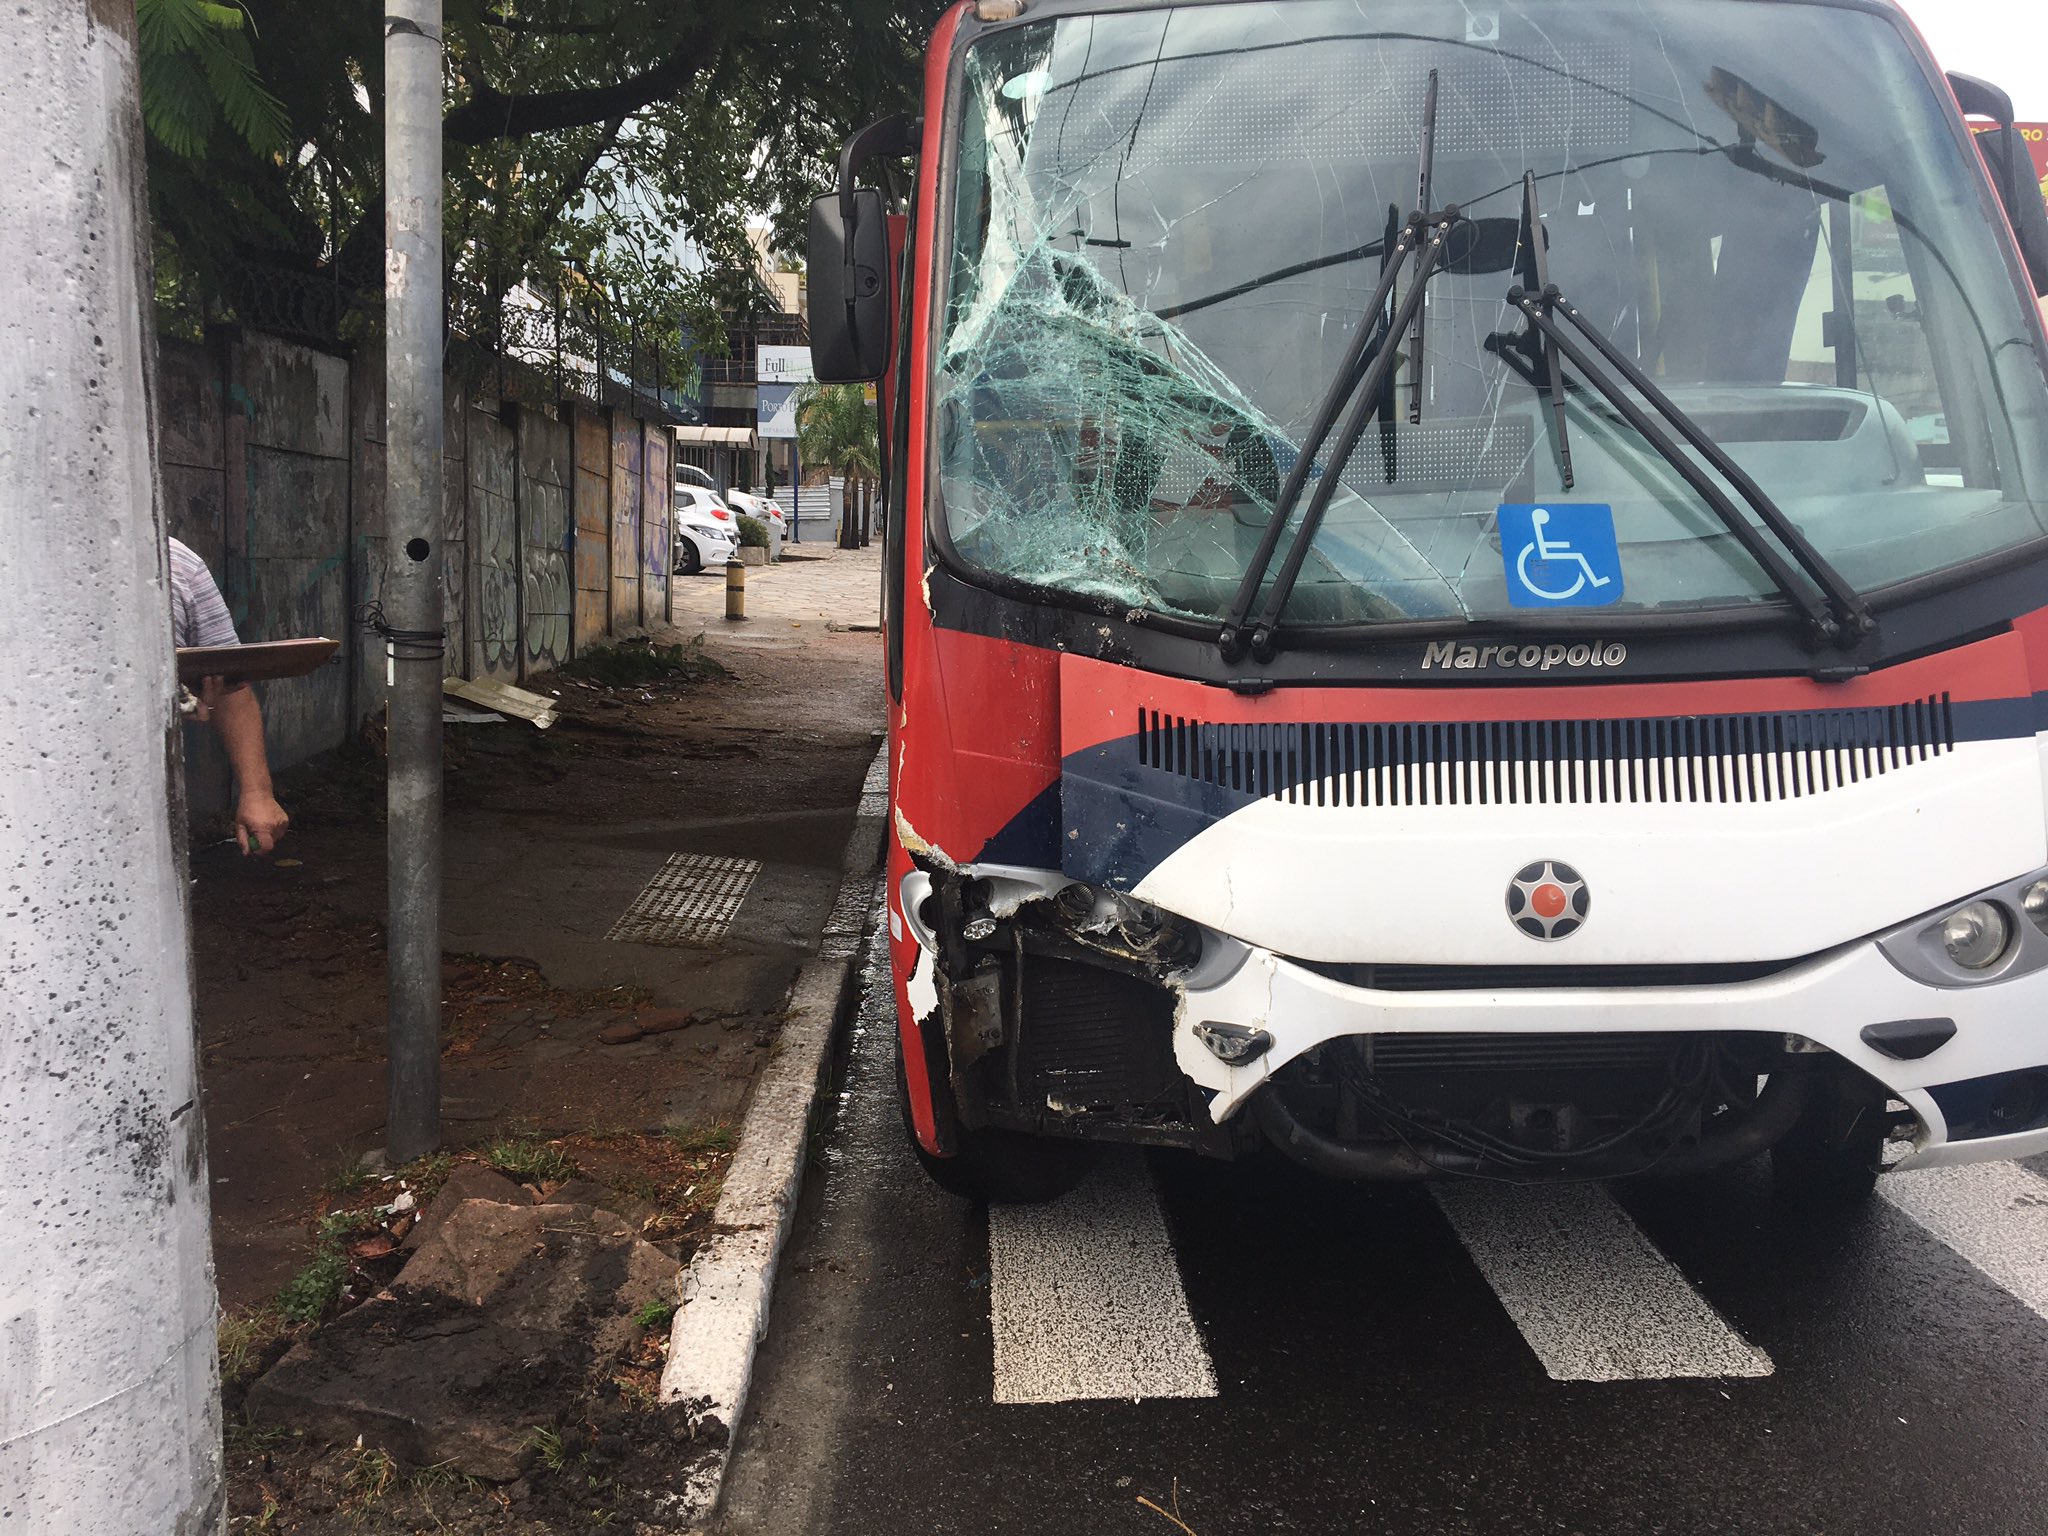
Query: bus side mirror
849, 287
2026, 206
2012, 172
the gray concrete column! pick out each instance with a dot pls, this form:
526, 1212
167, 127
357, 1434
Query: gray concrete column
109, 1402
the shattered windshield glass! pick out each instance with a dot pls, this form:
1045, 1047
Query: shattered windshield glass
1167, 226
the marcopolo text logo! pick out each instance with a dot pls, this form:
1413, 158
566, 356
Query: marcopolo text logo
1453, 655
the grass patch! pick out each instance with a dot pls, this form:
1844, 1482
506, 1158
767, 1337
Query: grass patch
311, 1294
529, 1160
656, 1314
242, 1337
699, 1139
548, 1446
628, 666
243, 1436
348, 1178
367, 1474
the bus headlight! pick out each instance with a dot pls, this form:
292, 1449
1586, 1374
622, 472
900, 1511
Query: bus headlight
2034, 902
1975, 937
1981, 941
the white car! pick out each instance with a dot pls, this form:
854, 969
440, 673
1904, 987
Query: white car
706, 533
763, 507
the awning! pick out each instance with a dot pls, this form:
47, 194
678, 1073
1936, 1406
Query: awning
724, 437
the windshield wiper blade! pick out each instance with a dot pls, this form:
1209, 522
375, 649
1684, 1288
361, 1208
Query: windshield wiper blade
1232, 639
1837, 613
1265, 633
1423, 199
1537, 268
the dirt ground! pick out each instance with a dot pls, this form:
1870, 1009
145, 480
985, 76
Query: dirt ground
755, 745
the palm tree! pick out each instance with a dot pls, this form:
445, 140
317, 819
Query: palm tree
835, 426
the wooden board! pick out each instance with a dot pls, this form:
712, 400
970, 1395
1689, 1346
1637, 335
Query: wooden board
252, 663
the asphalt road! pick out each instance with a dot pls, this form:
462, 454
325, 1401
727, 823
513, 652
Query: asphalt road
1266, 1352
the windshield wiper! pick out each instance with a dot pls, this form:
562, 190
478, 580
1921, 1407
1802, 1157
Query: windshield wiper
1423, 199
1837, 613
1536, 273
1424, 232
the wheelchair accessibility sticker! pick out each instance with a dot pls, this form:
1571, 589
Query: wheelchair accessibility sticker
1560, 556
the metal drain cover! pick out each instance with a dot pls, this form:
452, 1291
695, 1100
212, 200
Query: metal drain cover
690, 902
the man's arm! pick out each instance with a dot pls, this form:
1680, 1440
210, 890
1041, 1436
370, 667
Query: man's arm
259, 820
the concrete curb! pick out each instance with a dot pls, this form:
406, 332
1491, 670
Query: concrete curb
730, 1281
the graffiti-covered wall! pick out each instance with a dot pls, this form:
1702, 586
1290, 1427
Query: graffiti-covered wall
494, 560
657, 505
593, 535
546, 539
627, 457
556, 526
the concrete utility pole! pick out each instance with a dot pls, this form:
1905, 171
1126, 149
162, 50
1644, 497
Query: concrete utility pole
412, 579
109, 1400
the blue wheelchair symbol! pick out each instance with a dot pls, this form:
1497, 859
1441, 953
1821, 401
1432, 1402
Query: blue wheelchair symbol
1560, 556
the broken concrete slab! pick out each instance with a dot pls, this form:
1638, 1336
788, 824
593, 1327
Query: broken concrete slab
424, 1379
636, 1212
497, 1323
467, 1182
567, 1268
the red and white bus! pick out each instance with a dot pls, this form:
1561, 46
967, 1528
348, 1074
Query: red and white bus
1466, 589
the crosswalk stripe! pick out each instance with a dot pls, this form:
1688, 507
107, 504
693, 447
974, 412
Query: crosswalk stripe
1590, 1293
1086, 1300
1993, 1214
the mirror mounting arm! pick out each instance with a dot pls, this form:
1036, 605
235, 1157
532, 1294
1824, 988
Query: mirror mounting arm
1980, 98
897, 136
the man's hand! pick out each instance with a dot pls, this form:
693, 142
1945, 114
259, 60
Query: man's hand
259, 822
211, 690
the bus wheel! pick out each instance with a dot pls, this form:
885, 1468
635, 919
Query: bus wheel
996, 1166
1824, 1164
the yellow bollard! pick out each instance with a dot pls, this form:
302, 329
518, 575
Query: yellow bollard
735, 587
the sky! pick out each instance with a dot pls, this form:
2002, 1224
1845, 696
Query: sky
2003, 41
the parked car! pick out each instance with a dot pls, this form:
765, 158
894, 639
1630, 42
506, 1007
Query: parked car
706, 533
763, 507
690, 474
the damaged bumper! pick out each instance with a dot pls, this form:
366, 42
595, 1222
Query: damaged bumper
1991, 1071
1062, 1010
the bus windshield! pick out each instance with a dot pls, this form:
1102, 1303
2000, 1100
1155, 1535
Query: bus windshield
1167, 226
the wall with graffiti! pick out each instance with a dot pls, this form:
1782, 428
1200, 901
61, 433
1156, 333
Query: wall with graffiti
556, 525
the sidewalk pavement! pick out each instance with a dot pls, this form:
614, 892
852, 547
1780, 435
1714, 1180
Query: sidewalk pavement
549, 838
815, 583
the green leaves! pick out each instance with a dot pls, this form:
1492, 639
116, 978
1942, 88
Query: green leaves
616, 149
835, 426
199, 72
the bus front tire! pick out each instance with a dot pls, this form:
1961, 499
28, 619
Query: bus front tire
995, 1166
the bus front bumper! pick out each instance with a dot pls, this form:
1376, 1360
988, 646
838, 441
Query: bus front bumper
1983, 1094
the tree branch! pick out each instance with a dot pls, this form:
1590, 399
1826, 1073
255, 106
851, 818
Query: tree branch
545, 28
490, 114
573, 187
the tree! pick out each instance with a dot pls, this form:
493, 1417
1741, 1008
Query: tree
835, 426
623, 141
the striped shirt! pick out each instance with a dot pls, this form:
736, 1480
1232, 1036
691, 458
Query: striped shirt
198, 616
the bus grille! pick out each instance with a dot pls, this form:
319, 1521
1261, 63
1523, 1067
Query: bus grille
1713, 759
1094, 1038
1516, 978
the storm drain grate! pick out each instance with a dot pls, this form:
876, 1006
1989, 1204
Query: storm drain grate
689, 903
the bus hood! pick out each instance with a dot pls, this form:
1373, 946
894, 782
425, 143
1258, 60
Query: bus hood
1611, 824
